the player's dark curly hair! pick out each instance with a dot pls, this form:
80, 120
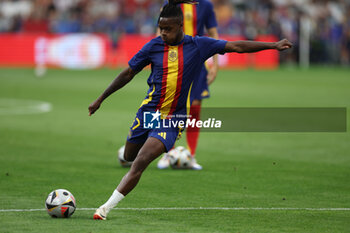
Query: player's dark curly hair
172, 10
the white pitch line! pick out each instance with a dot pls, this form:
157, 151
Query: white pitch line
194, 208
23, 107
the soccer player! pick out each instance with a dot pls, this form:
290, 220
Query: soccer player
175, 60
197, 17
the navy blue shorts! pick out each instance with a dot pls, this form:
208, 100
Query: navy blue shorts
138, 134
200, 89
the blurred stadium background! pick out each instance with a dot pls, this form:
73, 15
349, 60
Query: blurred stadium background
320, 31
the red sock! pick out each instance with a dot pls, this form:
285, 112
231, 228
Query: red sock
192, 133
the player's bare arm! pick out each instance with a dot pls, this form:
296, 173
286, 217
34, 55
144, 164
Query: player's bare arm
254, 46
213, 33
121, 80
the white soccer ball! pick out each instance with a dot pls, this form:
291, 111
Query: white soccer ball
121, 160
60, 204
180, 158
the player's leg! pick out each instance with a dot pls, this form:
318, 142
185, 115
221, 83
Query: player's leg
200, 90
150, 150
192, 133
131, 150
135, 140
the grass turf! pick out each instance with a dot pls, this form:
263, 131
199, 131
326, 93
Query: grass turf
65, 148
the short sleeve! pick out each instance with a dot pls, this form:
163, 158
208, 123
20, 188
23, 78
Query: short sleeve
209, 46
210, 20
141, 59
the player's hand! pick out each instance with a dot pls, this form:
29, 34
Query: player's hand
94, 106
283, 45
212, 75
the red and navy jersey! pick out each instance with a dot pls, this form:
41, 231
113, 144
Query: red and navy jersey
197, 17
174, 68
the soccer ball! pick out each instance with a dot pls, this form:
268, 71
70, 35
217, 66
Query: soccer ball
60, 204
180, 158
121, 160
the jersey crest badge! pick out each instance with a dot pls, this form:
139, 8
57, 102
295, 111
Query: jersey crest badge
172, 55
188, 16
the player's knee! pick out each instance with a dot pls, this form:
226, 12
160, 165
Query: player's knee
142, 161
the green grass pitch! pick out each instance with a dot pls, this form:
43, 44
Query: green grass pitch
65, 148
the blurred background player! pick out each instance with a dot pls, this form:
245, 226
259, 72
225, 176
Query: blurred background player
197, 17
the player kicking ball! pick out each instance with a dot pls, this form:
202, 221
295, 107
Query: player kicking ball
175, 60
